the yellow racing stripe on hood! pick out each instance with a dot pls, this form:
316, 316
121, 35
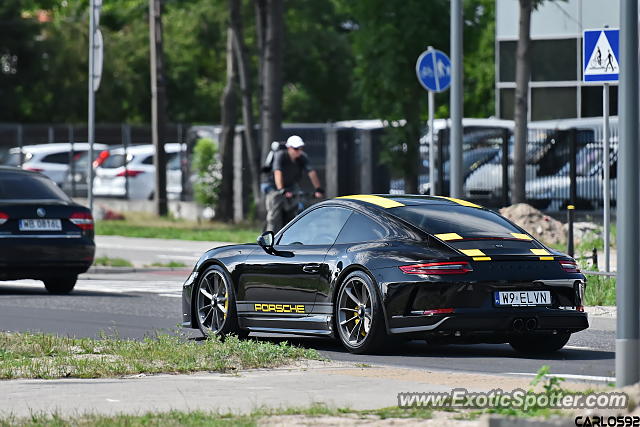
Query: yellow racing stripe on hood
374, 200
540, 252
460, 202
521, 236
448, 236
473, 252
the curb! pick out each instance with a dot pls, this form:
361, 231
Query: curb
120, 270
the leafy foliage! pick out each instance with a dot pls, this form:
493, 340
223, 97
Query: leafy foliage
206, 163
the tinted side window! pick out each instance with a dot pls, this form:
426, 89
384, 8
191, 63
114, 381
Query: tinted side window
148, 160
360, 228
318, 227
58, 158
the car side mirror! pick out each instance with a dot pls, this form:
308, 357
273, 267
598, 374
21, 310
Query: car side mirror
266, 241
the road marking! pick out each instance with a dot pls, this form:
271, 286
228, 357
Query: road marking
567, 376
159, 287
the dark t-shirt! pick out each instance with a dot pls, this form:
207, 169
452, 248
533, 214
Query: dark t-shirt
291, 171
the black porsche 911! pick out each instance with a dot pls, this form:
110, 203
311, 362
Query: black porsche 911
365, 268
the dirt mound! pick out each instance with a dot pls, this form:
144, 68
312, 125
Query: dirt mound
541, 226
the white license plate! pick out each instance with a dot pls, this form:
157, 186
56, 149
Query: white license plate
522, 298
40, 225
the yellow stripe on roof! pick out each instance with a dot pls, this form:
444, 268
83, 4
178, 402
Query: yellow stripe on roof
522, 236
448, 236
540, 252
546, 258
460, 202
481, 258
374, 200
472, 252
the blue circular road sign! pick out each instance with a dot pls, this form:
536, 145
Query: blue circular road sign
434, 70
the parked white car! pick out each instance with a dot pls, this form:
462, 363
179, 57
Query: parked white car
52, 159
131, 173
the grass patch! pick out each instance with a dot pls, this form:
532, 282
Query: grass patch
202, 419
146, 225
106, 261
171, 264
37, 355
600, 290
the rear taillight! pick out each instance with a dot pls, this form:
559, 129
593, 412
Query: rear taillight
29, 168
83, 220
437, 268
3, 218
569, 266
130, 173
101, 158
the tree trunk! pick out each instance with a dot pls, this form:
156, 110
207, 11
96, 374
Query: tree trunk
158, 106
523, 71
273, 43
228, 103
247, 99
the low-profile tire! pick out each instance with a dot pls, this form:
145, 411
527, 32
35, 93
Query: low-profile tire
539, 344
215, 304
358, 314
60, 285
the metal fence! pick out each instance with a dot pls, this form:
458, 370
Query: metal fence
564, 166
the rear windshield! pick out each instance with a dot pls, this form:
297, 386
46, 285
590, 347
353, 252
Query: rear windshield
22, 186
465, 221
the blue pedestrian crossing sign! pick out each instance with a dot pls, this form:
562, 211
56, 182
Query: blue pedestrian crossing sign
600, 55
433, 69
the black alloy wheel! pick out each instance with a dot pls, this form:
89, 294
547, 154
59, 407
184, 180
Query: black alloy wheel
358, 314
215, 305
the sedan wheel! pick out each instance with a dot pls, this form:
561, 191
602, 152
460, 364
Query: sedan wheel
359, 315
215, 304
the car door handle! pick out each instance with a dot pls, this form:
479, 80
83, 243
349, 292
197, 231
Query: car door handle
311, 268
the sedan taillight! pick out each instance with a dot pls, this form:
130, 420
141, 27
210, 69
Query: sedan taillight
569, 266
3, 218
461, 267
130, 173
83, 220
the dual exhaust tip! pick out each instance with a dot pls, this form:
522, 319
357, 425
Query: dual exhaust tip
521, 325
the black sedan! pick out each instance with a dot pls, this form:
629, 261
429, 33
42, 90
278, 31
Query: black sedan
44, 235
365, 268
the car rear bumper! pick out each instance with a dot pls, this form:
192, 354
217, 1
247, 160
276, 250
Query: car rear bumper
503, 322
35, 258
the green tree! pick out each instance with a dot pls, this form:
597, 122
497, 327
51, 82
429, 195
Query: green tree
388, 36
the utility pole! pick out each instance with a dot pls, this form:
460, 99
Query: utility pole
158, 105
628, 278
455, 147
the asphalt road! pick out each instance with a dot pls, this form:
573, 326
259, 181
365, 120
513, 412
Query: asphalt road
135, 305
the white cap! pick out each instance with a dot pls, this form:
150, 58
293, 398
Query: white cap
294, 141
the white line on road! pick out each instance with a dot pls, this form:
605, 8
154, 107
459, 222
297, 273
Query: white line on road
567, 376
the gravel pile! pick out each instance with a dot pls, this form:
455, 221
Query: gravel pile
541, 226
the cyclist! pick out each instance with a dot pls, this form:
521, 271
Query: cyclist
288, 166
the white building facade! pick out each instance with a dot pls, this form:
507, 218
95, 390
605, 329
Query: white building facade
556, 90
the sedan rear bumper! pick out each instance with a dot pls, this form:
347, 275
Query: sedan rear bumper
37, 258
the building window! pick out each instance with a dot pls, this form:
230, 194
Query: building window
507, 103
551, 60
591, 105
548, 103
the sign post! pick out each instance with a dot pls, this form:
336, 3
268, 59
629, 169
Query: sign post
433, 70
95, 72
600, 56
